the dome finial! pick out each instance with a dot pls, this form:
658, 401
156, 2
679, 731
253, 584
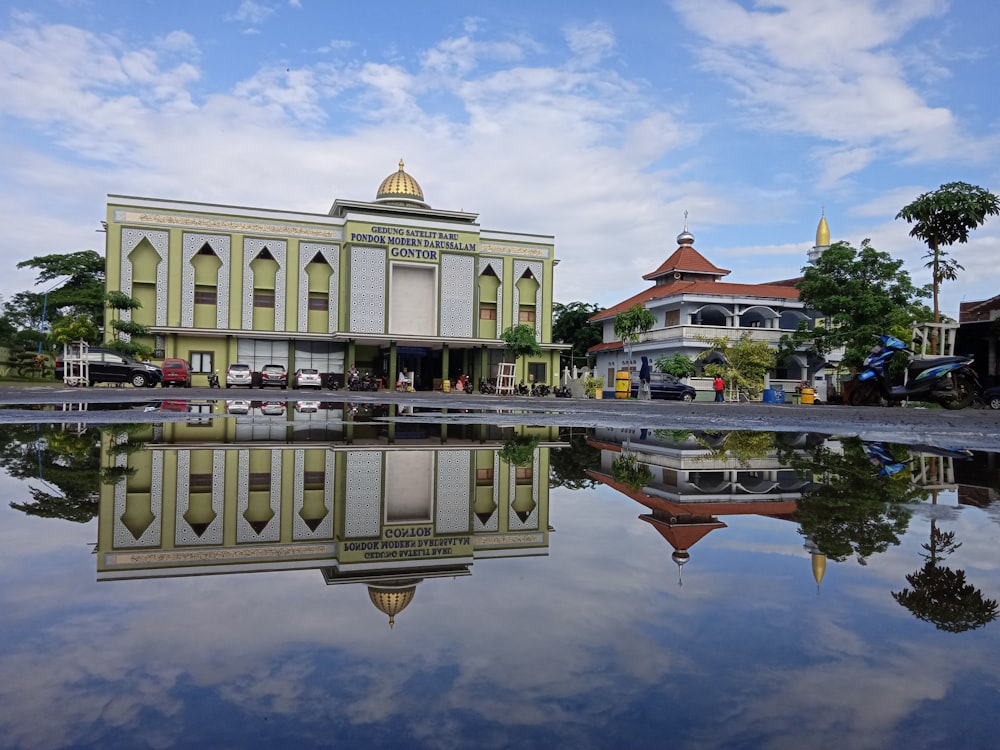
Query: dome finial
685, 237
401, 164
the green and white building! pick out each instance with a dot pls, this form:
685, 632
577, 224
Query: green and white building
388, 285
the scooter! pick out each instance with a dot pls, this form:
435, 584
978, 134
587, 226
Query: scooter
949, 381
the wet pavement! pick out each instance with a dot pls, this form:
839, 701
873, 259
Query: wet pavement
970, 428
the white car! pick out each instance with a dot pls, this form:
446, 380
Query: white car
307, 407
272, 408
237, 374
307, 377
238, 407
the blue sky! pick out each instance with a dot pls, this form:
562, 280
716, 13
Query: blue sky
599, 123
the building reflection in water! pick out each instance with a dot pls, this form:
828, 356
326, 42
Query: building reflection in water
388, 504
690, 481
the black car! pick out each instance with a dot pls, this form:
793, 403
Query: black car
107, 366
991, 397
664, 385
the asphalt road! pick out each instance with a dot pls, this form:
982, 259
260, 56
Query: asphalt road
977, 429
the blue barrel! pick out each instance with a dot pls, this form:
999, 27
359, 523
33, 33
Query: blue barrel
779, 394
769, 396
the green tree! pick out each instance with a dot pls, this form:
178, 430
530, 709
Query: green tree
940, 595
520, 341
747, 361
72, 328
127, 331
941, 218
569, 464
677, 364
82, 292
631, 323
67, 464
862, 292
849, 508
519, 450
570, 325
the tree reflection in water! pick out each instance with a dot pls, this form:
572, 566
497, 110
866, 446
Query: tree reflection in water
852, 508
65, 461
940, 595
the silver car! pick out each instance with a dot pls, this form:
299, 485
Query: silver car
306, 377
239, 375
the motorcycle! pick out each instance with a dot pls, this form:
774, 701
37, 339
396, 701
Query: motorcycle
949, 381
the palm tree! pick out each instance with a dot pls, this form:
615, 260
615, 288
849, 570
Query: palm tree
943, 217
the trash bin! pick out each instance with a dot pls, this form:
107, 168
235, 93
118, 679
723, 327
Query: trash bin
808, 395
446, 386
769, 396
623, 384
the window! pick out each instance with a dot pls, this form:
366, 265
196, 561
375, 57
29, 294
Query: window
205, 297
313, 480
536, 371
484, 477
260, 480
672, 318
200, 361
319, 302
194, 409
523, 475
525, 316
200, 482
263, 299
487, 313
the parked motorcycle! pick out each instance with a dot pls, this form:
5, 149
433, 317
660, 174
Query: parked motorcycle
949, 381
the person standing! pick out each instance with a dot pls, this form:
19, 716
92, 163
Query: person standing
720, 386
644, 394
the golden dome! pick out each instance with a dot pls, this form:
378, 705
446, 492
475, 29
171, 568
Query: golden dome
392, 598
822, 233
400, 187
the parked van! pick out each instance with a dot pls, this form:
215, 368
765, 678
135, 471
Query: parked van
176, 372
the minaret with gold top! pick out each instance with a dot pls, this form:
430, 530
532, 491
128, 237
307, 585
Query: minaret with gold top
822, 239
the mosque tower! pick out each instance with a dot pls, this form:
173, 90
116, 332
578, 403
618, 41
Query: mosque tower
822, 239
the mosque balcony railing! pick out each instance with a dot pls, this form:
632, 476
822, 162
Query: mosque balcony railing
693, 333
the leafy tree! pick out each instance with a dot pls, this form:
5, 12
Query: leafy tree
71, 328
627, 470
940, 595
568, 465
126, 331
82, 292
850, 509
741, 446
943, 217
570, 325
520, 340
631, 323
862, 292
677, 364
519, 450
747, 361
70, 472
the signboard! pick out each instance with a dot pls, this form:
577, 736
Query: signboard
405, 543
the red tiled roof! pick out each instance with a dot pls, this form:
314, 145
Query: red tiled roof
607, 346
718, 288
686, 258
972, 312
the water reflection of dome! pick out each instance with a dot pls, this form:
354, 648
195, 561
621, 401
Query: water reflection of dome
392, 597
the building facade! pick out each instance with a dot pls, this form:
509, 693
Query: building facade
388, 285
690, 302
